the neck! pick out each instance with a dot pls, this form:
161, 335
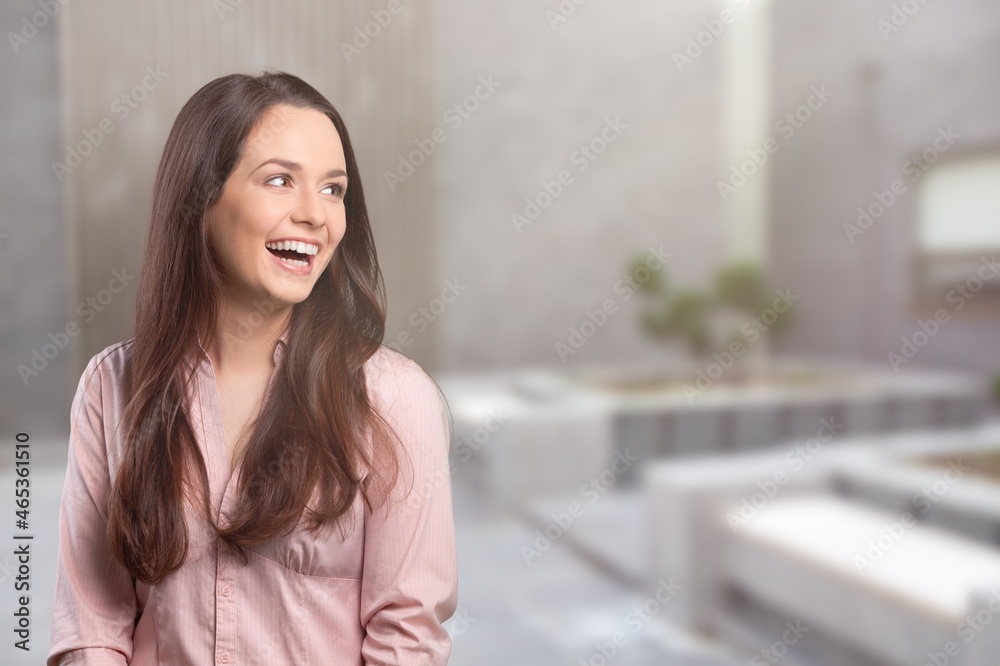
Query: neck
244, 337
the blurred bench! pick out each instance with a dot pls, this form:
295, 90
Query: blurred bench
897, 590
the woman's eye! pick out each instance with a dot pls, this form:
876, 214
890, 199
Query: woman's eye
337, 189
274, 178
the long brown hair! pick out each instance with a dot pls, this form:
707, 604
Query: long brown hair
311, 430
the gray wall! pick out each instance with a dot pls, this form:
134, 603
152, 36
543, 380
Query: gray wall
34, 257
942, 68
655, 184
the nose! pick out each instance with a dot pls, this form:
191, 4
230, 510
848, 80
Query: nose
309, 209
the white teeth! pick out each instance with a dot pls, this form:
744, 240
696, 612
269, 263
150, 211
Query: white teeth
296, 246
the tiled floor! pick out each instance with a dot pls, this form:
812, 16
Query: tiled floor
553, 612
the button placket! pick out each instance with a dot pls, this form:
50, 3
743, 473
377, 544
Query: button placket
225, 608
225, 599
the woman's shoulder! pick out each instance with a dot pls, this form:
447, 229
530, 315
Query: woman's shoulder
102, 378
392, 375
411, 401
109, 361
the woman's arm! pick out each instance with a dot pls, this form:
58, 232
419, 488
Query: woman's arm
95, 605
410, 580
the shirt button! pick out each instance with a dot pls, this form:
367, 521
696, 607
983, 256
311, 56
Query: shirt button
226, 591
224, 657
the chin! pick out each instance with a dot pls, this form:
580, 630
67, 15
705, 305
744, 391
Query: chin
289, 298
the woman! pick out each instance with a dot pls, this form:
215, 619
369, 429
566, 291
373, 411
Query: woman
253, 478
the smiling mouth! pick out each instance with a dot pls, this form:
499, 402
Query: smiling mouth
293, 253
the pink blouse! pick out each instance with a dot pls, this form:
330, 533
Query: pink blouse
380, 597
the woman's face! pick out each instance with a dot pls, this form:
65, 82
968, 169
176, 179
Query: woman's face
281, 213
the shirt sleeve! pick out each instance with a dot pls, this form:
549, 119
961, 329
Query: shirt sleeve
94, 611
409, 582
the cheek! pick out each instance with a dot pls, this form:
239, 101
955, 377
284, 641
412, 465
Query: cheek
237, 228
240, 251
338, 226
220, 250
248, 235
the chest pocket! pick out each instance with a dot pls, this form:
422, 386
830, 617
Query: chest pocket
331, 552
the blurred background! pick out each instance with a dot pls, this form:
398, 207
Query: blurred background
711, 288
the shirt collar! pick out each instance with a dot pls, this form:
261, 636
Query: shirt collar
279, 349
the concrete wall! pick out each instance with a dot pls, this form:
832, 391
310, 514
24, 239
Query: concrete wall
653, 185
657, 183
940, 69
34, 272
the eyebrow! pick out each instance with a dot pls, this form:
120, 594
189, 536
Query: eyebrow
295, 166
